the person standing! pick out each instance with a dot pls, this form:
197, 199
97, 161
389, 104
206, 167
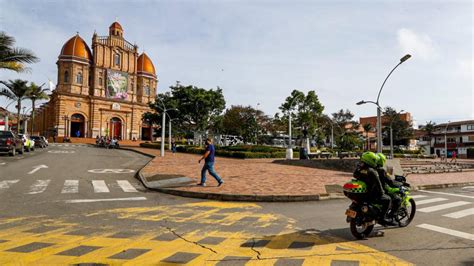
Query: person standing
209, 159
173, 147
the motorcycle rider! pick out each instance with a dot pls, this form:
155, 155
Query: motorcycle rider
366, 172
390, 186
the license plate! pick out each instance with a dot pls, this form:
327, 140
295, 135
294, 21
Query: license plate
351, 213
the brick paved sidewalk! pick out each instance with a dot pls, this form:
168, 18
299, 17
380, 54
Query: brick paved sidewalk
261, 177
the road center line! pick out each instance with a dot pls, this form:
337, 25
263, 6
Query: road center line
98, 200
449, 194
447, 231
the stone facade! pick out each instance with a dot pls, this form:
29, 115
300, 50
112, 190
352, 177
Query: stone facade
100, 93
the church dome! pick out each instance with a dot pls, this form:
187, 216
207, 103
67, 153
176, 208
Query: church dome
116, 25
76, 47
145, 66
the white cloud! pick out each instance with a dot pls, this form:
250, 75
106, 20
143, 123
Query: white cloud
465, 68
419, 45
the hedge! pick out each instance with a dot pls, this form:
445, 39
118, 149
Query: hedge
240, 152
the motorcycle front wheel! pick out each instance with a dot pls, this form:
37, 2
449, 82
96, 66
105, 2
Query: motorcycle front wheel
360, 231
406, 213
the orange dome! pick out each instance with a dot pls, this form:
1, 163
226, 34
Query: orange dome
76, 47
144, 65
116, 25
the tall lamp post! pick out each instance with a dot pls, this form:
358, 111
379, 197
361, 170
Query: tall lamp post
379, 109
289, 150
391, 134
446, 142
163, 126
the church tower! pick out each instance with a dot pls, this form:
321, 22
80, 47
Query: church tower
74, 64
146, 79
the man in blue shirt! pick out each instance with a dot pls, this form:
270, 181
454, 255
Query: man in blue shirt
208, 158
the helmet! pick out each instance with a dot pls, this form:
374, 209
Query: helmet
382, 160
369, 158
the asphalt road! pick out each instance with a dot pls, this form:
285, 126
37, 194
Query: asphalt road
87, 207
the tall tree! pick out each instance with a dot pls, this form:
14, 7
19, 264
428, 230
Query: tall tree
13, 58
16, 90
345, 130
36, 93
402, 130
429, 128
305, 109
245, 121
198, 108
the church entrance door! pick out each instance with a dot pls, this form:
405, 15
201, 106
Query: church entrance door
77, 126
116, 128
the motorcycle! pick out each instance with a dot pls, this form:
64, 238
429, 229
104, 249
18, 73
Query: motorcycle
363, 215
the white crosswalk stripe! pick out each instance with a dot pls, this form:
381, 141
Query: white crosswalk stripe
100, 186
70, 186
444, 206
460, 214
418, 196
39, 186
126, 186
427, 201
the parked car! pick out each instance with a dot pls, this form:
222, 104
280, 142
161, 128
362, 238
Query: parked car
28, 143
39, 142
11, 143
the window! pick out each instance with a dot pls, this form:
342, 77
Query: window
66, 76
147, 90
79, 78
470, 127
116, 59
451, 140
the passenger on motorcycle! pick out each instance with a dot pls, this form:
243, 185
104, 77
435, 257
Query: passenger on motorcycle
391, 187
366, 172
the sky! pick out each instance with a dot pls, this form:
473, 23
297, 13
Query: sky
259, 51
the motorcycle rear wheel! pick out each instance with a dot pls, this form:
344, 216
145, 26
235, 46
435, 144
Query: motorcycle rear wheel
361, 231
406, 212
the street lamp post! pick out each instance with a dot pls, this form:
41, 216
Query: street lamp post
446, 142
289, 150
379, 111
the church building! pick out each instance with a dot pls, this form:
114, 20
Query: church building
100, 92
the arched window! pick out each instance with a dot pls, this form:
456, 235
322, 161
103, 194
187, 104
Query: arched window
117, 59
79, 78
66, 76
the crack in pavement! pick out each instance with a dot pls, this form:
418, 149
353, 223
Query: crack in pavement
189, 241
256, 251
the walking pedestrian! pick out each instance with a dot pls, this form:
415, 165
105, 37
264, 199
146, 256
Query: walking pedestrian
173, 147
209, 159
453, 157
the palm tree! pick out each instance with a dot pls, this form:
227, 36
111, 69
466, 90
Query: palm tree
367, 127
36, 93
429, 128
16, 90
14, 58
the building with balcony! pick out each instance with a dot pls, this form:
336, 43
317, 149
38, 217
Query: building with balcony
459, 136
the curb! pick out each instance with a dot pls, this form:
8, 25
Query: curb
262, 198
448, 185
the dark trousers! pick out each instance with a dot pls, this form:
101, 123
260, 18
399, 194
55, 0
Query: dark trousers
385, 201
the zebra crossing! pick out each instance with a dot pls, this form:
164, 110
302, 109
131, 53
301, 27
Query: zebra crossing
443, 204
71, 186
